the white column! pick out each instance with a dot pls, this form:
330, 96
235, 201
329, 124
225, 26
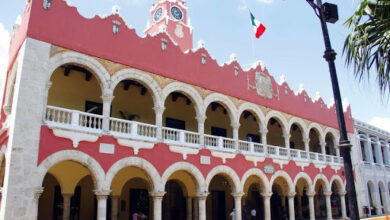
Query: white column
323, 146
237, 204
101, 197
38, 192
263, 133
306, 142
196, 208
235, 126
267, 204
287, 137
157, 204
114, 207
201, 119
189, 208
202, 205
343, 205
159, 110
328, 205
66, 206
310, 196
107, 100
291, 210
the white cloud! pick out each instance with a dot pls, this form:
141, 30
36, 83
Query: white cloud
266, 1
382, 123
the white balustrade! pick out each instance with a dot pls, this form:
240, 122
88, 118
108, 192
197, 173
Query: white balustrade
73, 119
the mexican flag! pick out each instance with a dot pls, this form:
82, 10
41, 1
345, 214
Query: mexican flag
258, 27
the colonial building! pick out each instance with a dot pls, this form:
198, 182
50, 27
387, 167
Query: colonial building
99, 123
372, 168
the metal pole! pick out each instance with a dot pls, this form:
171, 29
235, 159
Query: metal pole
345, 145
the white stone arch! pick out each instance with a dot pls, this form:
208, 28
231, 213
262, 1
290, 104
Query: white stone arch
301, 124
189, 91
97, 69
339, 182
334, 134
319, 129
371, 190
284, 175
225, 101
281, 119
305, 176
93, 166
141, 77
229, 173
147, 167
258, 173
187, 167
323, 178
382, 192
254, 109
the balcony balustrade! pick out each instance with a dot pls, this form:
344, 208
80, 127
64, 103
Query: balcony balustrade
80, 121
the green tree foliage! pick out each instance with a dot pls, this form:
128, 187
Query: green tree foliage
368, 42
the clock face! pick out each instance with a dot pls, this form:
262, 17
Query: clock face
158, 14
176, 13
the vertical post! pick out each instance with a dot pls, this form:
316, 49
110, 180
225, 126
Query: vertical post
114, 207
264, 133
202, 205
323, 147
345, 145
159, 110
343, 207
328, 205
66, 207
370, 153
201, 119
107, 99
38, 192
235, 126
237, 204
267, 204
291, 209
189, 208
101, 197
310, 196
286, 137
306, 142
157, 203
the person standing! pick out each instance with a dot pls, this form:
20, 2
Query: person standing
233, 214
253, 214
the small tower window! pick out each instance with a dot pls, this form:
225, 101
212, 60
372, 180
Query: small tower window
47, 4
164, 44
204, 60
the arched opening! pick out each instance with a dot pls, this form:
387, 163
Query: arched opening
372, 198
279, 200
249, 127
220, 202
130, 190
382, 197
76, 88
296, 138
68, 193
253, 188
330, 147
319, 199
301, 200
133, 102
275, 132
174, 202
179, 114
314, 143
178, 202
335, 200
218, 123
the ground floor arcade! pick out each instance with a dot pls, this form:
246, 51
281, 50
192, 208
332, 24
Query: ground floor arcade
73, 189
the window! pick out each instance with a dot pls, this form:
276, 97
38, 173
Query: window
175, 123
94, 107
218, 132
364, 156
373, 152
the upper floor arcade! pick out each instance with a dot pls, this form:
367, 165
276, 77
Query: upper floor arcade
135, 105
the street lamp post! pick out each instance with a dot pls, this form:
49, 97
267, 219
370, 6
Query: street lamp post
345, 145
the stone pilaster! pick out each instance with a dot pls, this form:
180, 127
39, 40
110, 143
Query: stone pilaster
310, 196
263, 133
101, 197
66, 206
159, 111
291, 210
328, 205
202, 205
237, 204
107, 100
157, 204
201, 119
267, 204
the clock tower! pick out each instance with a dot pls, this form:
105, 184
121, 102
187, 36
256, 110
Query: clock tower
170, 16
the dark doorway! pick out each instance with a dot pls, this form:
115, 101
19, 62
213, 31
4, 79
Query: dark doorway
218, 205
58, 203
139, 201
94, 108
174, 123
75, 204
174, 202
221, 132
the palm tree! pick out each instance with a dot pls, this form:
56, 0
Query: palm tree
368, 42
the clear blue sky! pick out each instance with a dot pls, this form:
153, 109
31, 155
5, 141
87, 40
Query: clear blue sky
292, 44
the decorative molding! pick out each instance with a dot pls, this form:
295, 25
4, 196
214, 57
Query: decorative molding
320, 166
255, 159
183, 150
302, 164
280, 162
75, 136
223, 155
136, 145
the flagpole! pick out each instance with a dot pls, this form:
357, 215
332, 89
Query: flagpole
253, 43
